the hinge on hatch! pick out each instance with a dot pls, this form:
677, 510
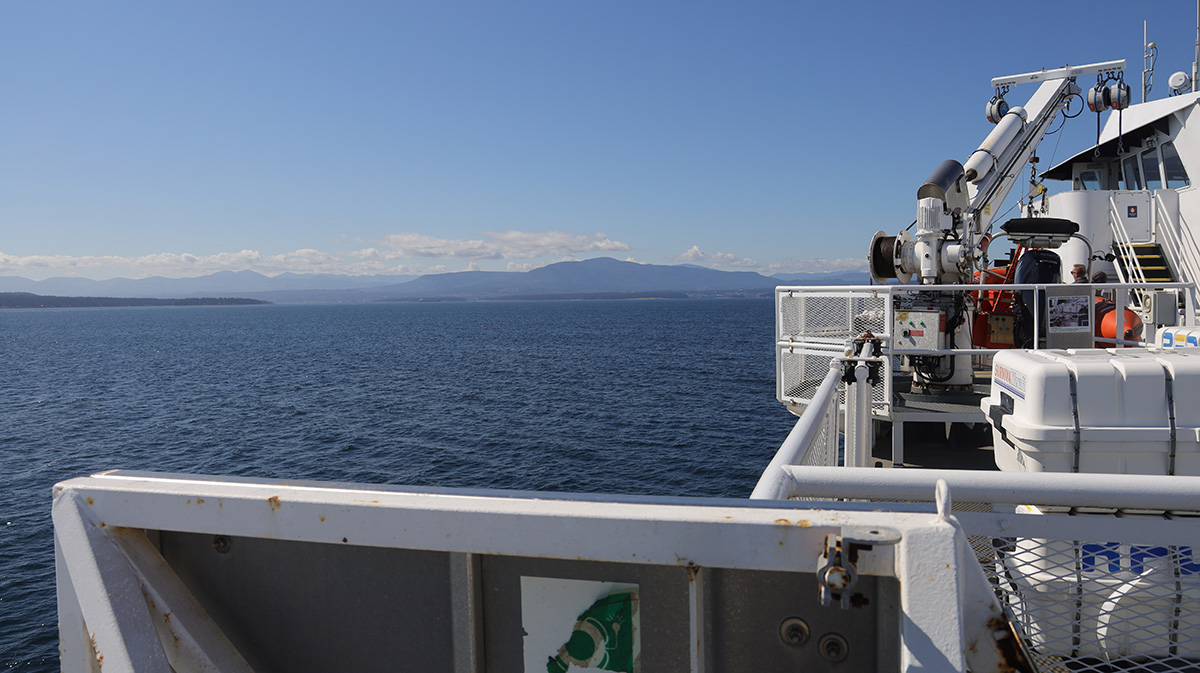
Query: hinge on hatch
837, 570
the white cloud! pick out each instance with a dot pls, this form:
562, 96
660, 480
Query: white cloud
724, 259
185, 264
493, 245
382, 258
695, 255
816, 265
692, 255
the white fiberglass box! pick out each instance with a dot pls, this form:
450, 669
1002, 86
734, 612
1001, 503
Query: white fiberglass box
1135, 409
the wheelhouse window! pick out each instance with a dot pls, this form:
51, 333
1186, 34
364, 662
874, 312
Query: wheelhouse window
1176, 175
1090, 180
1132, 176
1150, 169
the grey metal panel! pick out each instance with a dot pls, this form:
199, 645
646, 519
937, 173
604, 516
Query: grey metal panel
743, 611
749, 607
304, 606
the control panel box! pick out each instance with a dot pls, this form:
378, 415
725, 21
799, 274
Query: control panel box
922, 330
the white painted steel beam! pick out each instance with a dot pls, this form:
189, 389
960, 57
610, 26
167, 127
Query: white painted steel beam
763, 538
121, 606
117, 625
1059, 73
192, 642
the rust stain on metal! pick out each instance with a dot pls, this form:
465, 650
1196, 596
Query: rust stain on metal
366, 502
273, 503
1013, 657
322, 517
199, 501
167, 617
693, 570
96, 651
802, 523
189, 501
103, 525
344, 540
90, 501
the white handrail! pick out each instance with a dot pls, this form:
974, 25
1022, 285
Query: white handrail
1179, 246
1131, 491
799, 442
1131, 271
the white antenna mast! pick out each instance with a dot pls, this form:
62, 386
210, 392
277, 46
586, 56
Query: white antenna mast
1196, 63
1149, 56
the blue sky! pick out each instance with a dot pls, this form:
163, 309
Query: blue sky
177, 139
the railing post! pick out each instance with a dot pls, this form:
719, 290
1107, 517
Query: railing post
858, 417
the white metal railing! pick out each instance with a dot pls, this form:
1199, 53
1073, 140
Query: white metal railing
1178, 244
1131, 271
812, 441
1101, 573
814, 325
166, 573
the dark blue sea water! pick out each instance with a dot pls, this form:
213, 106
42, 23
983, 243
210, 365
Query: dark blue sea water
653, 397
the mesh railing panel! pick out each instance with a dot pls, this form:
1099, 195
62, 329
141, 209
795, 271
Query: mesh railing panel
815, 325
801, 373
830, 318
1099, 606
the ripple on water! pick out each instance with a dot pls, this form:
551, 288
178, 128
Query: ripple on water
670, 397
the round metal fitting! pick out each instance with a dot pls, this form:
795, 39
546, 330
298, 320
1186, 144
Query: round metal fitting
837, 578
833, 647
222, 544
794, 631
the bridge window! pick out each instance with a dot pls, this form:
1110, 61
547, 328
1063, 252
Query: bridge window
1176, 175
1150, 168
1090, 179
1133, 177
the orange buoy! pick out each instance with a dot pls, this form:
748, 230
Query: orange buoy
1106, 324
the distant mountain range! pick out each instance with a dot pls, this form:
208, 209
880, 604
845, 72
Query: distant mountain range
594, 277
29, 300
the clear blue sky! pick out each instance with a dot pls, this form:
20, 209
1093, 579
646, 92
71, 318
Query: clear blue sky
176, 139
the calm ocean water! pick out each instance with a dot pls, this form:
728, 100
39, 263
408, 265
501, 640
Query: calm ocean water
649, 397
